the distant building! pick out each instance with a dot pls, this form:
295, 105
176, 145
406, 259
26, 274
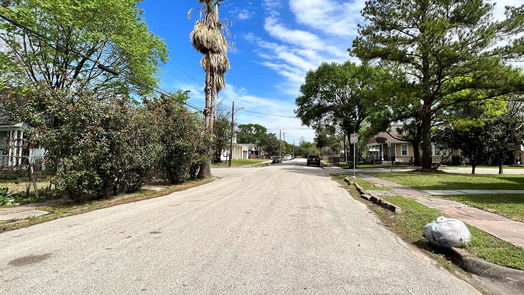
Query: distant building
14, 148
522, 154
387, 147
242, 151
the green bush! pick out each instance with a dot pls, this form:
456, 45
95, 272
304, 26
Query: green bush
97, 147
184, 146
8, 176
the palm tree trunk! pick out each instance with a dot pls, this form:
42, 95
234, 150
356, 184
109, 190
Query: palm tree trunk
205, 167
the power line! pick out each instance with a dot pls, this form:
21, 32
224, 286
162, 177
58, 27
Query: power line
266, 114
60, 47
291, 128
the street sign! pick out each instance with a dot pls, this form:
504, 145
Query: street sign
353, 138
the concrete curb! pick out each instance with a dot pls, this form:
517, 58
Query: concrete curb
469, 263
373, 198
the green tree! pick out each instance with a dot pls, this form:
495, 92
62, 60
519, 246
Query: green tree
506, 132
337, 95
472, 142
306, 148
73, 37
328, 141
181, 136
444, 48
269, 143
251, 133
221, 136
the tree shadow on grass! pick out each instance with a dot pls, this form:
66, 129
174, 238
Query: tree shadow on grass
425, 181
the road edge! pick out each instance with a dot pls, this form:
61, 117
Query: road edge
102, 204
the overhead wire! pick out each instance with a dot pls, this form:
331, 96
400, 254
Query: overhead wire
115, 72
266, 114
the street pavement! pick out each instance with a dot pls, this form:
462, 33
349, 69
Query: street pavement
283, 229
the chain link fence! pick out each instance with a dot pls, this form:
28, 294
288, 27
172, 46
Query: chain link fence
23, 174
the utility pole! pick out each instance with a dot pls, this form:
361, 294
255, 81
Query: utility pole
232, 134
285, 141
293, 149
280, 144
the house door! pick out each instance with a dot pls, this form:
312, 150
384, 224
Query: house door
389, 153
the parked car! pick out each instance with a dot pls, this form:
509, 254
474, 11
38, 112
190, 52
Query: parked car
288, 157
313, 160
277, 160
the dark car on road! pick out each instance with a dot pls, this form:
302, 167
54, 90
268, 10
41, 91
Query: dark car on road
313, 160
277, 160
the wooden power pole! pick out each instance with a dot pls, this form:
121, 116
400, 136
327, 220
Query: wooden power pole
232, 134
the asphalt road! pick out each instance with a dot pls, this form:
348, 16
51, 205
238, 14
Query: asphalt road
284, 229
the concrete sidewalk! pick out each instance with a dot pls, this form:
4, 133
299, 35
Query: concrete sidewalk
22, 212
496, 225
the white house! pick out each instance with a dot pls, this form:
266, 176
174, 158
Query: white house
14, 150
242, 151
386, 147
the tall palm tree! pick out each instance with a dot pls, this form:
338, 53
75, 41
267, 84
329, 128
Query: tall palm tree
208, 38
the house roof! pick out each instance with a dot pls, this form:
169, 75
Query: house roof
6, 122
390, 136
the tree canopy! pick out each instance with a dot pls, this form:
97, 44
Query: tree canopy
451, 53
68, 39
336, 95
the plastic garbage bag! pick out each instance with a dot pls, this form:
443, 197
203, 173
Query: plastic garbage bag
447, 232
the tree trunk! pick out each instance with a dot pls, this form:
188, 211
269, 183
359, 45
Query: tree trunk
427, 159
501, 163
205, 167
473, 167
416, 152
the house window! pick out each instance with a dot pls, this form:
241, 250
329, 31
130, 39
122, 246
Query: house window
404, 149
437, 151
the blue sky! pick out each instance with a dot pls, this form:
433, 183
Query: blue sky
275, 43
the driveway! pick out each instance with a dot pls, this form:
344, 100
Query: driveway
283, 229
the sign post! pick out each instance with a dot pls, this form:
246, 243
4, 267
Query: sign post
353, 139
390, 155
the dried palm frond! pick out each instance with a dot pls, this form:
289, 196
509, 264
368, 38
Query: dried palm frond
208, 38
215, 62
220, 82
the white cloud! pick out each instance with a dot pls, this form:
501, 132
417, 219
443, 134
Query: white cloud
292, 126
247, 102
293, 51
244, 14
299, 38
500, 7
329, 16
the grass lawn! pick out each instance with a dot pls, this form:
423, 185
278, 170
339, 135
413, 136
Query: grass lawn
368, 185
443, 181
237, 163
20, 186
415, 216
511, 206
484, 166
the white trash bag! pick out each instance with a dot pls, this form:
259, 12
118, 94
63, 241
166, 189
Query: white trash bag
447, 232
